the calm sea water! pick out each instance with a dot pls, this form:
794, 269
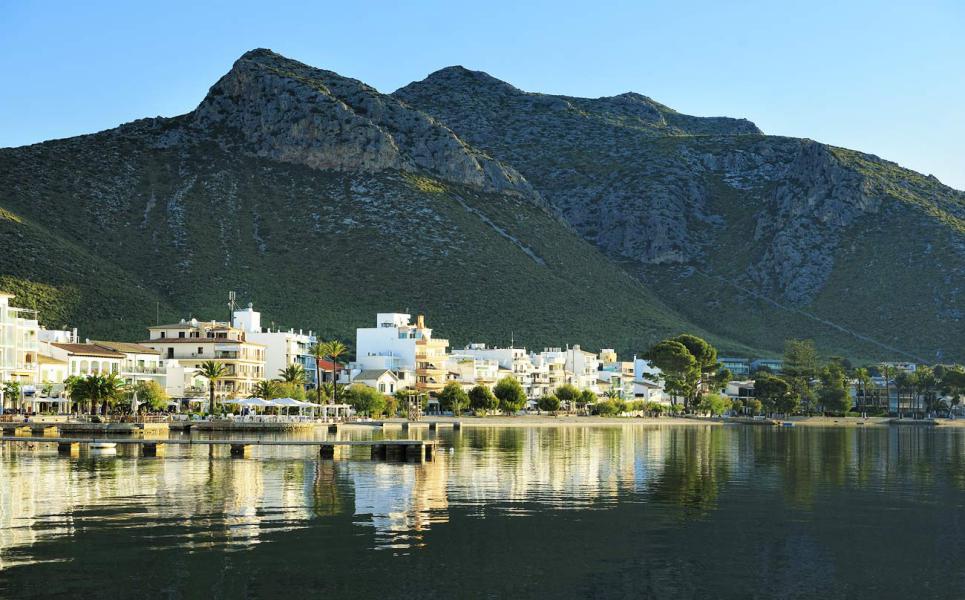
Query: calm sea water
592, 512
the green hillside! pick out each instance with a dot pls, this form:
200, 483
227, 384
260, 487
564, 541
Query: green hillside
310, 248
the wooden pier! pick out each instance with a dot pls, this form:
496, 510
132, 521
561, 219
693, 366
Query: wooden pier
400, 450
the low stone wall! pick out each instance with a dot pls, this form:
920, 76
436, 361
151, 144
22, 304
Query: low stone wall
249, 426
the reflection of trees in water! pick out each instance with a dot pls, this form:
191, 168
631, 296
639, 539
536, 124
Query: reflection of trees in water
696, 466
326, 494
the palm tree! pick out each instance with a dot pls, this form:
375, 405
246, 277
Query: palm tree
334, 350
109, 387
266, 389
318, 353
293, 374
213, 371
863, 378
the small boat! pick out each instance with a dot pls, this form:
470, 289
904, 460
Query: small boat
102, 446
787, 424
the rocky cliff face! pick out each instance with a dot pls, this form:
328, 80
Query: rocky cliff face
748, 238
668, 194
281, 109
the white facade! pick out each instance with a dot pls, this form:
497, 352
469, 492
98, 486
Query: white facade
399, 346
282, 349
582, 367
388, 345
85, 359
648, 382
19, 342
469, 370
183, 381
140, 363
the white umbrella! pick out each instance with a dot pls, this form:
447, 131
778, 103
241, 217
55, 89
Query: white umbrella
287, 402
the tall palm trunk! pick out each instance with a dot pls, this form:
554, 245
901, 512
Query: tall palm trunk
211, 396
334, 384
318, 381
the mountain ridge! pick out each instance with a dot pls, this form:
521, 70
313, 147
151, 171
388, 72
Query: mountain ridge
481, 193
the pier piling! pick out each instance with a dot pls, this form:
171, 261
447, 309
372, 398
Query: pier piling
240, 450
152, 449
69, 448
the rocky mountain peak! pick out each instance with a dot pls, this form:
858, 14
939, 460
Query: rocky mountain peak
282, 109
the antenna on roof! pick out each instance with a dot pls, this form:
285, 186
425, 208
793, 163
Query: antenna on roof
231, 307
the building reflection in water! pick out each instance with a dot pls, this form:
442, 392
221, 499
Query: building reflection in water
189, 500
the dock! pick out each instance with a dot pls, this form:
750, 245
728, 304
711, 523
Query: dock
398, 450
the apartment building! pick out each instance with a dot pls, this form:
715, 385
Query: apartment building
193, 342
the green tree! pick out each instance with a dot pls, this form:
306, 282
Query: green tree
755, 406
318, 351
608, 408
903, 382
862, 380
294, 373
715, 404
150, 394
105, 390
566, 394
453, 398
549, 403
11, 392
704, 374
587, 397
267, 389
482, 398
511, 396
365, 400
213, 371
773, 392
953, 383
926, 386
834, 389
801, 366
288, 389
334, 350
677, 366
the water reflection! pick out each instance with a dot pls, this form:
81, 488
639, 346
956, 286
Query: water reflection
194, 502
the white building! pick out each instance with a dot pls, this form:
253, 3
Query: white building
19, 343
469, 371
382, 380
515, 362
648, 382
398, 346
85, 359
140, 363
282, 348
582, 368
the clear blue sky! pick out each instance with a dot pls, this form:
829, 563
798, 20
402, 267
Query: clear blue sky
885, 77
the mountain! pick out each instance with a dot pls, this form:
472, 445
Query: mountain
499, 213
320, 200
754, 237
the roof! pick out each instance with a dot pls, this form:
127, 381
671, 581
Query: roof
43, 359
126, 347
371, 374
88, 350
328, 365
198, 340
185, 325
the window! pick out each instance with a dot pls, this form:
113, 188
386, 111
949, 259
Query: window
180, 334
170, 352
200, 350
164, 334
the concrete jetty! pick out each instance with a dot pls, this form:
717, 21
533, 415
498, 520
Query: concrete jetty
399, 450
